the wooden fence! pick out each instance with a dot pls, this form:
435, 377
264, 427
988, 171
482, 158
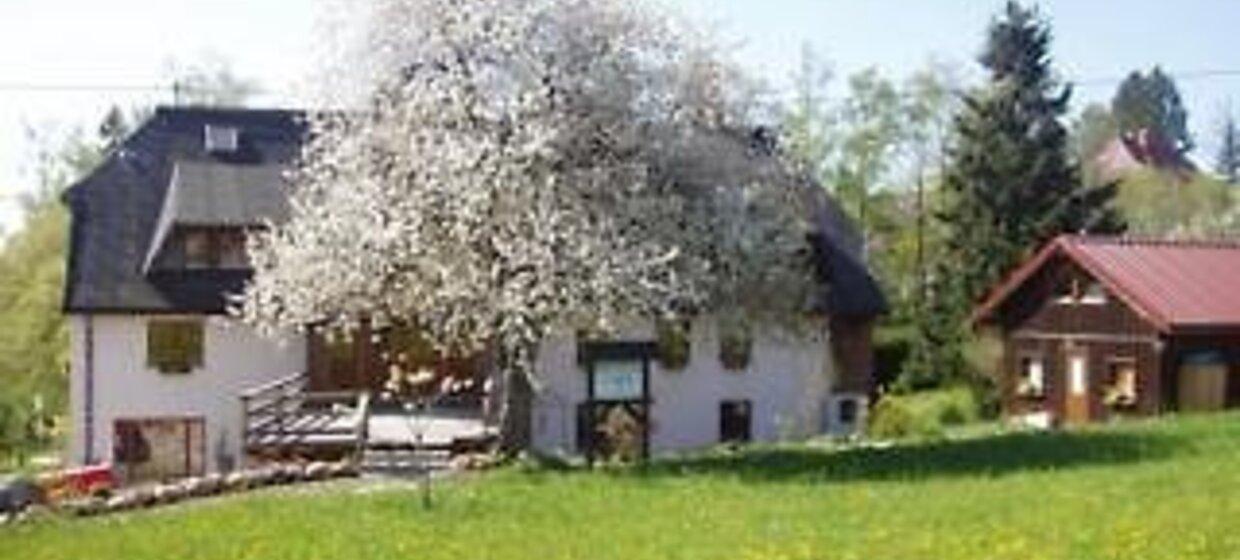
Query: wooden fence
282, 419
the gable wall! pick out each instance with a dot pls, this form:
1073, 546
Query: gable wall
234, 358
1034, 323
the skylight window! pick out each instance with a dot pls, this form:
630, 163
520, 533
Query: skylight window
220, 139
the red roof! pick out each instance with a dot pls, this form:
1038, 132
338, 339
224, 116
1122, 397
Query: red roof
1176, 285
1143, 149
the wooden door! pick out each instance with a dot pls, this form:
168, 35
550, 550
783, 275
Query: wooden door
1202, 387
1076, 388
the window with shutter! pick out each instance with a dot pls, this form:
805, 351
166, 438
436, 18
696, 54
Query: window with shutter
1121, 388
1032, 376
174, 345
198, 249
673, 343
231, 248
735, 344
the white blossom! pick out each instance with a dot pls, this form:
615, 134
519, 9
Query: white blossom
522, 166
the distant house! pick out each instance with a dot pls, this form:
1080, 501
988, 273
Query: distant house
1096, 327
157, 367
1141, 150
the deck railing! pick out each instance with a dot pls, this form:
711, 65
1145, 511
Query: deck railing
282, 418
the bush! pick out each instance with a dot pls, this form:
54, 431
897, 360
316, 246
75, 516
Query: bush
894, 417
923, 414
953, 407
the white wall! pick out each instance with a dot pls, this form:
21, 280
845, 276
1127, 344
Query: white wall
235, 357
788, 381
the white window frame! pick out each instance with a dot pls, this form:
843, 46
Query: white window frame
1094, 294
1031, 382
220, 139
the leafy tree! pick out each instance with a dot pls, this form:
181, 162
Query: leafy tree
33, 335
930, 102
1228, 162
881, 148
1204, 206
870, 128
1152, 101
531, 167
809, 120
1011, 186
1091, 132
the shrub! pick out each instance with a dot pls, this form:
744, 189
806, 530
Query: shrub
894, 417
922, 414
953, 407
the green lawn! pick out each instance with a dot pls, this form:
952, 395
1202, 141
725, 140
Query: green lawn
1165, 489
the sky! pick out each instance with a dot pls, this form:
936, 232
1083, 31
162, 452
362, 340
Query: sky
64, 62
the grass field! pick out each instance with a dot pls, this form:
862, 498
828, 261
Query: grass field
1162, 489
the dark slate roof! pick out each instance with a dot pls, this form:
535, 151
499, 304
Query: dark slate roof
162, 177
851, 291
222, 194
160, 174
217, 194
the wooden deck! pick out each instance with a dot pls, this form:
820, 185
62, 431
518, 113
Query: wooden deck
282, 420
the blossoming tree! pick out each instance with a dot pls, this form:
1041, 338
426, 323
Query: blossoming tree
518, 168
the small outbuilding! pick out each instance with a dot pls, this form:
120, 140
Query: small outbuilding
1094, 327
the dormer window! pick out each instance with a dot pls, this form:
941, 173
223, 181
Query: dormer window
220, 139
232, 250
218, 248
198, 253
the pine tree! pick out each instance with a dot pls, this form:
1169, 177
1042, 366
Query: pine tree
1011, 186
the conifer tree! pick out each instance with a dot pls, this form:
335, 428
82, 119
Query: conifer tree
1151, 101
1011, 186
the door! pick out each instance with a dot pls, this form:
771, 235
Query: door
1202, 383
159, 449
617, 407
1076, 394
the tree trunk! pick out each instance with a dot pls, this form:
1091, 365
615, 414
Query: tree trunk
517, 396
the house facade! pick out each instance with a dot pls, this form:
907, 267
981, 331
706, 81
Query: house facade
157, 366
1096, 328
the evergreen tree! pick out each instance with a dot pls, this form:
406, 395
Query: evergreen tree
1011, 185
1228, 164
1152, 101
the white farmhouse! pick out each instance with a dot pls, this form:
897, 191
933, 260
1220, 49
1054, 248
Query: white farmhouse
157, 247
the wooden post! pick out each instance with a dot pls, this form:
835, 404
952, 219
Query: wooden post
363, 429
591, 421
645, 407
244, 433
281, 442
